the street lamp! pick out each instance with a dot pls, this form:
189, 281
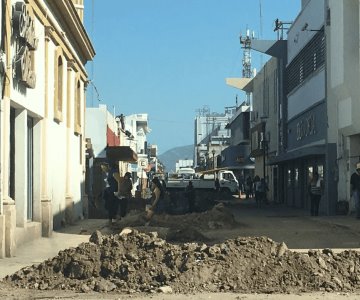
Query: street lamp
213, 153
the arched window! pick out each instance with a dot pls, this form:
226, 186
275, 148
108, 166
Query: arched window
58, 97
78, 107
60, 83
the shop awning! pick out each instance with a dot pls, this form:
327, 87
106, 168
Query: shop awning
121, 153
316, 150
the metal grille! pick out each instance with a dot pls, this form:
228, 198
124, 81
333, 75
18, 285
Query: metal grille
310, 59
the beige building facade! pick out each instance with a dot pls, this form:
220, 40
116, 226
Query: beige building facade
42, 119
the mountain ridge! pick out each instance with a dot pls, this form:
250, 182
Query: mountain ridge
171, 156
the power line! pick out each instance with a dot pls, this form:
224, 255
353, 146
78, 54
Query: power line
96, 90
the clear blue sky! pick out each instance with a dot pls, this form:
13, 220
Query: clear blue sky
169, 58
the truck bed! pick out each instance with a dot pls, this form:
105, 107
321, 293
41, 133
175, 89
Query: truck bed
197, 183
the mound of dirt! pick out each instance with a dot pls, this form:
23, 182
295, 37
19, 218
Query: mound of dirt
137, 262
180, 228
219, 217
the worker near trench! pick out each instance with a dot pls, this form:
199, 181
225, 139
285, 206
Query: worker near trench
111, 202
190, 196
157, 200
124, 193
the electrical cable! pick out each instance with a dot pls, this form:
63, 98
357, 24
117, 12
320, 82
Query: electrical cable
95, 88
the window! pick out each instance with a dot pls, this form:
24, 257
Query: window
59, 78
77, 118
309, 59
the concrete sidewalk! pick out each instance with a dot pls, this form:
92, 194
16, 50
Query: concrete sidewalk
38, 250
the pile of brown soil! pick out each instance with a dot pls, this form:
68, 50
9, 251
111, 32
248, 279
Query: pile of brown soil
137, 262
180, 228
219, 217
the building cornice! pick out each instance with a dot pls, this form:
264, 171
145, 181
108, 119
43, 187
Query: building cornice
77, 34
72, 20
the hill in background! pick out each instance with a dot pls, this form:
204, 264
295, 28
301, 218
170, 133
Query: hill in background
170, 157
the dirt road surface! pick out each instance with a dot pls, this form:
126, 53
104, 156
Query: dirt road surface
236, 249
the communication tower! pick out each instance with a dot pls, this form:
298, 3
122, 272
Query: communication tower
247, 72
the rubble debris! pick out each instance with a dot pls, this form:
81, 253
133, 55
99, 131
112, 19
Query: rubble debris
132, 261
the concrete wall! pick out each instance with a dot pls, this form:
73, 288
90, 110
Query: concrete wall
95, 128
314, 15
343, 77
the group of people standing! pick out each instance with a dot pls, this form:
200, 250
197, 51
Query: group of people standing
255, 188
117, 191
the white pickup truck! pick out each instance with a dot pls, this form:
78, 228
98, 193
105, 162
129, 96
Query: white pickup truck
227, 180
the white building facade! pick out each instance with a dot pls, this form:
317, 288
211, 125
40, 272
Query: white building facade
342, 29
42, 120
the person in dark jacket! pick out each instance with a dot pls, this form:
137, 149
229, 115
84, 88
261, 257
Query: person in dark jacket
355, 189
157, 200
316, 187
217, 185
111, 201
190, 195
124, 195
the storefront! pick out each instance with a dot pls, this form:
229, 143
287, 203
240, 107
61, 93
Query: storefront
307, 152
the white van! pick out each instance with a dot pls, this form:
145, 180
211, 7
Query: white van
186, 173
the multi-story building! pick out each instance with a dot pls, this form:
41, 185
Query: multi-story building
211, 137
184, 163
237, 155
42, 119
311, 88
137, 126
136, 129
307, 146
340, 27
